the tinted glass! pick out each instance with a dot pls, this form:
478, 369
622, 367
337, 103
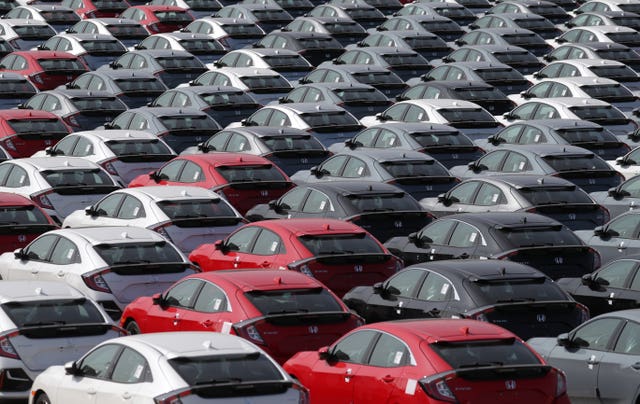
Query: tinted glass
340, 244
242, 29
610, 90
406, 59
61, 64
343, 27
34, 31
38, 126
614, 72
140, 85
98, 104
323, 119
130, 253
377, 78
617, 54
553, 195
539, 236
414, 168
103, 46
227, 98
188, 122
195, 209
151, 146
173, 16
44, 312
382, 202
319, 43
16, 87
513, 290
360, 94
478, 353
127, 31
221, 368
576, 163
586, 135
250, 173
59, 15
285, 61
499, 74
440, 138
265, 82
21, 215
199, 45
466, 115
179, 63
61, 178
292, 143
293, 301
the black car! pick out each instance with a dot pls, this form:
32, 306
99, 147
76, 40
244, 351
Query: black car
514, 296
315, 47
479, 92
615, 286
383, 210
527, 238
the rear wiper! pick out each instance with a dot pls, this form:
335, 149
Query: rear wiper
44, 323
131, 262
480, 364
219, 381
288, 311
512, 300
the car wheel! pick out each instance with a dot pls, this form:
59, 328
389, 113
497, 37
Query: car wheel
43, 398
133, 328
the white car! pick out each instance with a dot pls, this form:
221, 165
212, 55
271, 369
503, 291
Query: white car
599, 33
187, 216
233, 33
44, 324
129, 32
24, 34
290, 64
123, 153
111, 265
173, 367
630, 6
58, 185
94, 49
202, 46
627, 165
59, 17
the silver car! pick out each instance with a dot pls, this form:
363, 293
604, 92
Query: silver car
617, 239
187, 216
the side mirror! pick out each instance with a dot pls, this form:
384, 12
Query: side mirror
350, 143
158, 300
443, 199
324, 354
155, 176
508, 116
108, 125
91, 211
139, 47
460, 42
537, 75
318, 172
49, 151
599, 231
243, 122
337, 61
275, 206
594, 283
473, 26
569, 24
526, 95
495, 140
221, 246
475, 166
560, 40
304, 80
447, 59
71, 368
20, 254
563, 340
378, 288
114, 64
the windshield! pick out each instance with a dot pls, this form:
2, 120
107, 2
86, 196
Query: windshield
188, 122
359, 243
61, 64
219, 367
292, 143
173, 16
576, 163
404, 168
344, 28
21, 215
76, 177
399, 59
98, 104
373, 78
135, 147
196, 208
146, 85
324, 119
586, 135
360, 94
382, 202
50, 312
555, 195
499, 74
265, 82
53, 125
293, 301
179, 62
466, 115
34, 31
138, 253
483, 353
527, 236
235, 98
265, 172
614, 72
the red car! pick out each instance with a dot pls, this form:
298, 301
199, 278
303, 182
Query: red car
243, 179
97, 8
24, 132
339, 254
284, 312
159, 19
428, 361
21, 221
45, 69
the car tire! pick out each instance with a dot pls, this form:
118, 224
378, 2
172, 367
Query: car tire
43, 398
133, 328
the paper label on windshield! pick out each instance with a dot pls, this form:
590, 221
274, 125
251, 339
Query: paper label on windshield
136, 210
226, 327
444, 289
138, 372
472, 237
397, 358
521, 165
411, 387
70, 253
274, 246
216, 304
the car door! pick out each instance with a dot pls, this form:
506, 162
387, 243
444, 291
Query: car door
34, 257
459, 199
389, 302
127, 378
65, 263
104, 212
601, 298
316, 205
211, 311
461, 245
268, 252
428, 241
174, 306
619, 368
238, 249
620, 238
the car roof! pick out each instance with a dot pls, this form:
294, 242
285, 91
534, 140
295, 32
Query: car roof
590, 62
22, 21
478, 269
208, 89
183, 35
605, 29
247, 71
87, 37
436, 330
43, 54
582, 80
570, 101
259, 279
124, 73
455, 84
47, 163
267, 52
339, 85
546, 149
113, 234
387, 154
75, 93
309, 107
416, 127
310, 226
11, 114
497, 48
11, 199
495, 219
557, 124
441, 103
11, 291
269, 131
118, 134
527, 180
354, 68
354, 187
226, 158
480, 65
159, 192
163, 52
169, 111
596, 45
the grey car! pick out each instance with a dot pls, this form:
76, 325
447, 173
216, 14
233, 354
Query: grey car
94, 49
202, 46
623, 198
178, 127
595, 51
519, 58
291, 65
523, 38
533, 22
429, 45
618, 238
550, 196
384, 80
578, 165
600, 358
444, 27
345, 30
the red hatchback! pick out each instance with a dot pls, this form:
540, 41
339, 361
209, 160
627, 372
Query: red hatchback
339, 254
45, 69
21, 221
428, 361
24, 132
283, 312
244, 180
159, 19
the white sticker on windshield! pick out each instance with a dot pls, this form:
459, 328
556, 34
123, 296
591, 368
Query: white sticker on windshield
411, 387
397, 358
136, 210
495, 197
444, 289
323, 204
87, 149
536, 138
274, 246
216, 304
226, 327
472, 237
138, 371
521, 165
196, 175
22, 178
392, 141
360, 170
70, 253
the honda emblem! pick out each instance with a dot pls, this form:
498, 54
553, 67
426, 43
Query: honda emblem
558, 260
357, 268
541, 318
313, 329
510, 384
397, 224
264, 193
22, 238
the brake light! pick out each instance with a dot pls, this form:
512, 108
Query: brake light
37, 78
8, 144
162, 231
482, 315
597, 261
561, 383
95, 281
250, 332
438, 389
172, 399
108, 166
6, 348
42, 200
71, 120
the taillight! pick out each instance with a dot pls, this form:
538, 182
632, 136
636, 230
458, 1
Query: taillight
224, 42
248, 331
8, 144
71, 120
304, 393
14, 43
438, 389
42, 200
108, 166
95, 281
604, 212
584, 312
6, 348
153, 28
172, 399
301, 267
621, 178
561, 383
597, 261
481, 315
36, 78
532, 210
162, 230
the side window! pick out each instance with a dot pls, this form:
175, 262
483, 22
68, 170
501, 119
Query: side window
415, 114
317, 202
617, 273
313, 95
354, 347
516, 163
131, 208
366, 137
242, 239
559, 90
39, 249
130, 368
355, 168
191, 173
389, 352
109, 205
396, 112
82, 82
238, 143
211, 299
244, 61
464, 236
20, 63
183, 294
492, 161
171, 170
629, 340
435, 288
439, 73
387, 139
348, 57
364, 59
268, 243
334, 165
437, 232
490, 195
279, 118
596, 334
98, 363
65, 146
332, 77
540, 90
51, 103
83, 148
218, 141
464, 193
17, 178
297, 95
532, 135
624, 227
525, 111
165, 99
316, 76
546, 112
97, 84
122, 121
221, 80
65, 252
455, 74
36, 101
551, 71
510, 133
293, 199
404, 283
261, 117
180, 100
569, 71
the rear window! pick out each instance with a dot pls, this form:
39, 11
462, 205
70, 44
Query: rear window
208, 5
607, 91
466, 115
546, 9
146, 85
188, 122
292, 143
405, 59
515, 290
264, 82
499, 74
614, 72
179, 62
382, 202
360, 94
136, 147
38, 126
293, 301
324, 119
600, 114
34, 31
59, 16
61, 64
630, 7
529, 236
319, 43
438, 26
516, 57
328, 244
625, 37
357, 13
271, 15
421, 42
52, 312
479, 93
173, 16
10, 215
98, 104
523, 39
265, 172
78, 177
195, 209
110, 4
576, 163
103, 46
285, 61
127, 31
373, 78
201, 45
220, 368
344, 28
469, 354
440, 139
580, 135
235, 98
242, 30
617, 54
534, 23
554, 195
18, 87
138, 253
404, 168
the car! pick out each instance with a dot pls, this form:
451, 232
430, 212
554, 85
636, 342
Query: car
267, 16
502, 76
46, 70
264, 85
580, 166
520, 37
23, 133
358, 99
202, 46
427, 44
57, 16
519, 58
14, 90
79, 109
376, 76
622, 198
616, 239
590, 109
596, 18
608, 5
475, 6
288, 148
158, 19
327, 121
606, 345
124, 154
197, 9
339, 254
295, 8
88, 9
232, 33
547, 9
177, 127
291, 65
485, 95
611, 288
528, 238
273, 315
550, 196
314, 46
38, 316
22, 221
384, 210
453, 10
517, 297
344, 29
444, 27
127, 31
171, 66
577, 132
468, 117
417, 174
244, 180
134, 88
533, 22
444, 143
361, 12
595, 51
438, 360
23, 34
170, 371
95, 50
601, 33
187, 216
627, 165
111, 265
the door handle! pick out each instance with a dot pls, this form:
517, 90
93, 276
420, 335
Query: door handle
207, 323
388, 378
636, 366
60, 274
35, 271
592, 360
265, 264
126, 395
91, 391
464, 256
434, 312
